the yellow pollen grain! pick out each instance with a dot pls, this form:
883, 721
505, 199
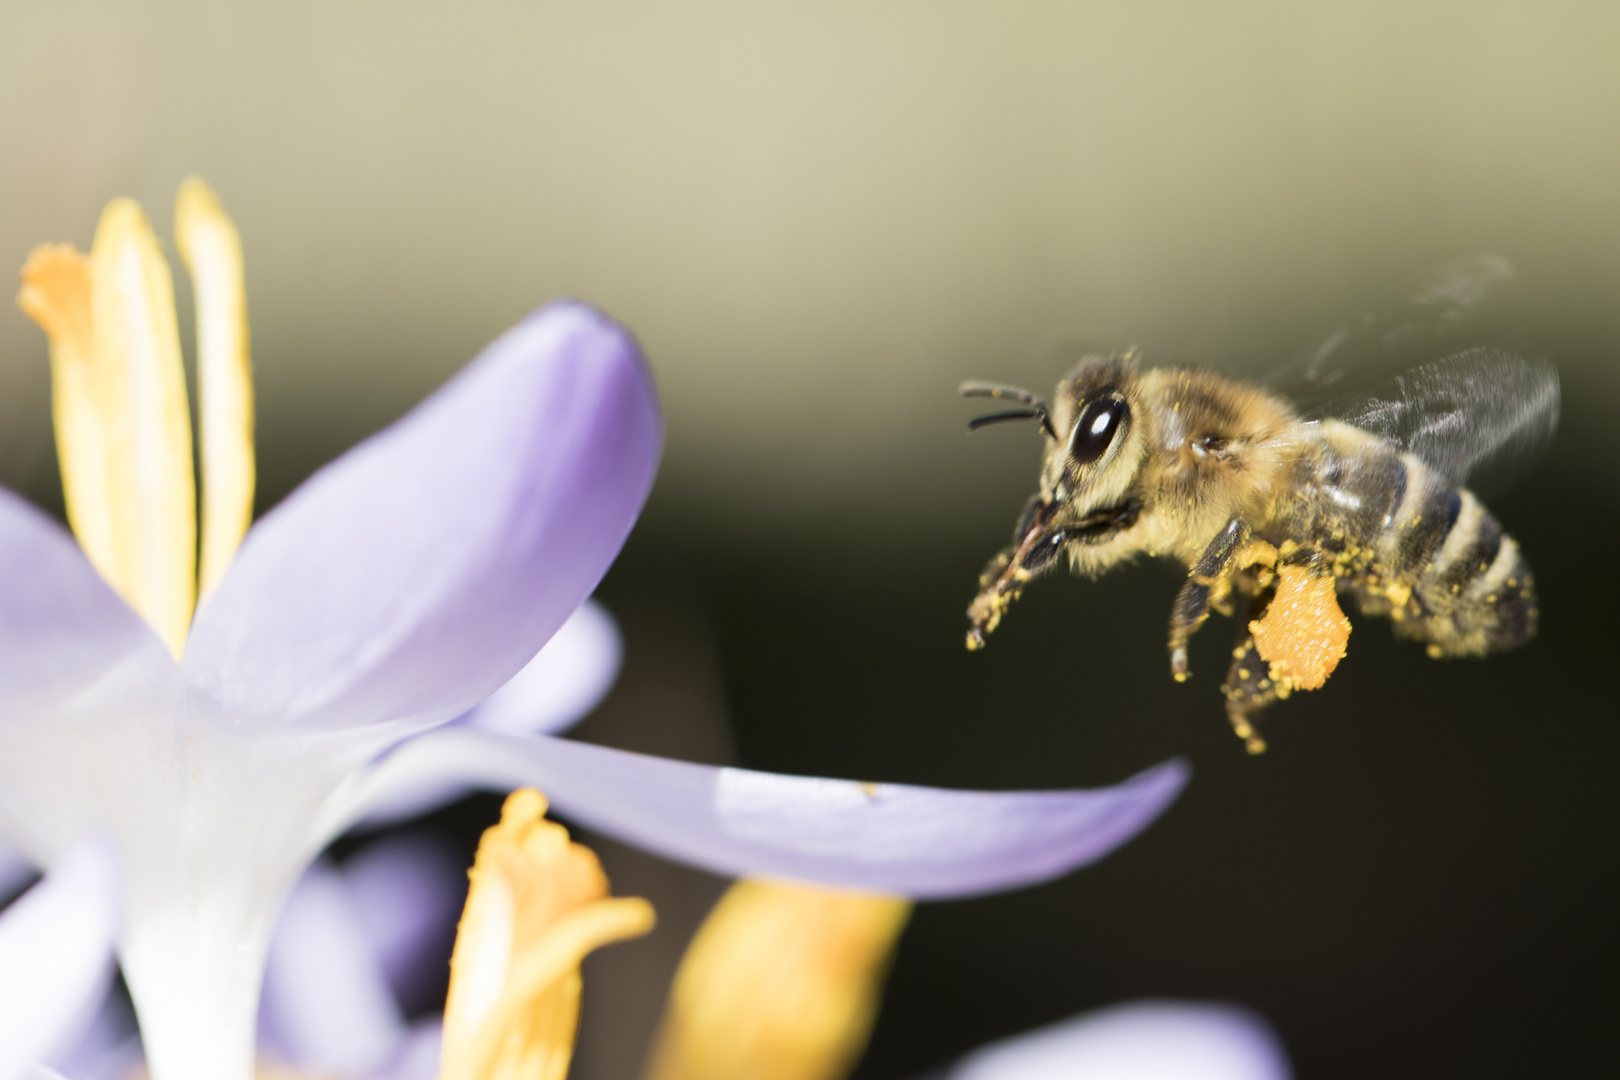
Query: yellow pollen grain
1303, 632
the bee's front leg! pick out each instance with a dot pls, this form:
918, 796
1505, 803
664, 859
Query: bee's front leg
1207, 580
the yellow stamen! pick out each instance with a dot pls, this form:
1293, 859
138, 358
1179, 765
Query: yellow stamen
143, 389
212, 251
56, 294
123, 428
782, 981
538, 904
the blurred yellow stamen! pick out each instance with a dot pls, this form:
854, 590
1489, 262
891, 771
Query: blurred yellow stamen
56, 294
212, 251
142, 387
538, 904
782, 981
123, 426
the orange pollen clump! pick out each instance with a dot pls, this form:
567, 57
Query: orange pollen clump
1303, 632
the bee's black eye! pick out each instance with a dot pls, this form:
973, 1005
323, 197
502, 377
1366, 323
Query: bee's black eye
1098, 423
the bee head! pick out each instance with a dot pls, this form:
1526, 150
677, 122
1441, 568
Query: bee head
1094, 451
1095, 448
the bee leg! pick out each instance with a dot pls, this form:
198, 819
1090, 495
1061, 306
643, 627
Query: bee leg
1248, 687
1206, 581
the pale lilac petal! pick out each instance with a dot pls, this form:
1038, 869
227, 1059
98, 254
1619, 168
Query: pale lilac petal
409, 891
56, 951
915, 841
327, 1005
418, 1059
61, 626
554, 691
110, 1049
45, 1072
564, 681
1150, 1040
413, 576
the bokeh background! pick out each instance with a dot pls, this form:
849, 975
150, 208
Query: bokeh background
818, 219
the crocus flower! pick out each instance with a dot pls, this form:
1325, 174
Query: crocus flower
218, 746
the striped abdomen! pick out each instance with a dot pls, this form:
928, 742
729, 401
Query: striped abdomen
1426, 554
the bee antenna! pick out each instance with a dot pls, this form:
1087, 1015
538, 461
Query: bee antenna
1037, 405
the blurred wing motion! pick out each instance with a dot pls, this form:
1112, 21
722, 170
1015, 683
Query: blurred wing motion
1475, 405
1460, 411
1461, 303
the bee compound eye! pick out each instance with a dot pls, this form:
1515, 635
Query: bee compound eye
1096, 428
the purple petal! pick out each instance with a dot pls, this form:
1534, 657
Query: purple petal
554, 691
412, 577
418, 1059
110, 1049
409, 891
1153, 1040
894, 838
61, 626
56, 949
327, 1005
564, 681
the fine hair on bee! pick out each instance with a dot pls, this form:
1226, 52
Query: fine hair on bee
1286, 513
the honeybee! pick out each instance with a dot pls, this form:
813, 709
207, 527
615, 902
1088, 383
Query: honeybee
1258, 502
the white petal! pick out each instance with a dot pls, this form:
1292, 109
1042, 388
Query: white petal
1150, 1040
56, 947
326, 1001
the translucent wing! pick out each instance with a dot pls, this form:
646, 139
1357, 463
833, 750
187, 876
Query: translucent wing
1460, 411
1460, 304
1478, 404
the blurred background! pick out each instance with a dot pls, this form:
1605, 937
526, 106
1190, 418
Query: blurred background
818, 219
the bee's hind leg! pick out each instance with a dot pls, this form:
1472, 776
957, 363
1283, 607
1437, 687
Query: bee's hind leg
1248, 686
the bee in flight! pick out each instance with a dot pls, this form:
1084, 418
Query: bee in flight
1257, 502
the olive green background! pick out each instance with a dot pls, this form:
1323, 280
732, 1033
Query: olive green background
818, 219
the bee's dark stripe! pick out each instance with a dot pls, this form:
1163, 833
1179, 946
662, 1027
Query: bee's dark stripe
1476, 557
1514, 608
1379, 485
1422, 536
